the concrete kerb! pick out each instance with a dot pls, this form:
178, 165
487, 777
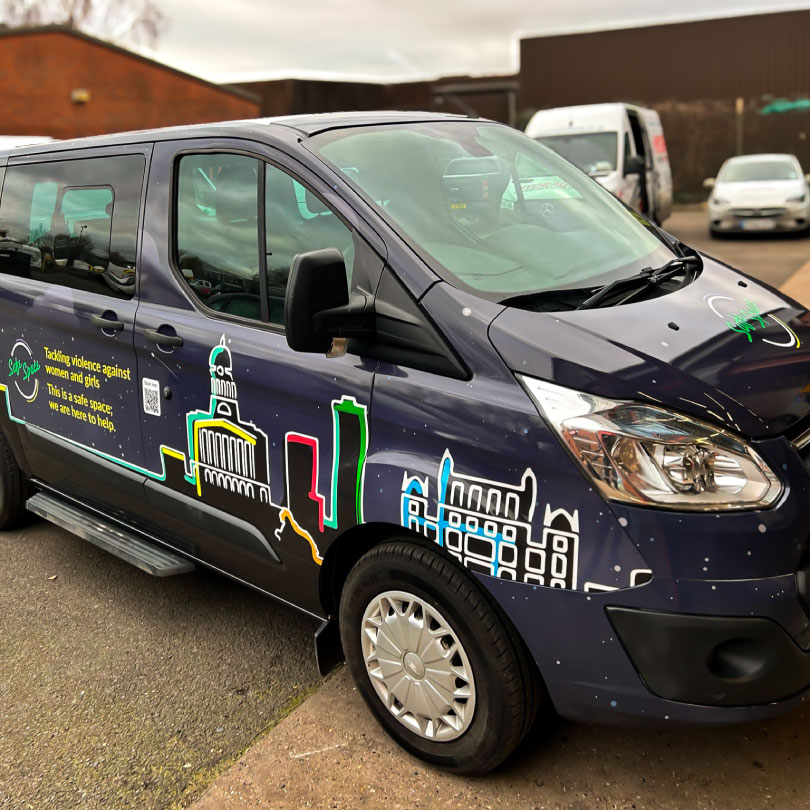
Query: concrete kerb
329, 751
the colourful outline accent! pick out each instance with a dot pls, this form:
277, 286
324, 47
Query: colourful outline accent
164, 450
312, 442
197, 420
202, 423
285, 514
348, 405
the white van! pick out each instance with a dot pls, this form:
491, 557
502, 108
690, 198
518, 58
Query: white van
619, 145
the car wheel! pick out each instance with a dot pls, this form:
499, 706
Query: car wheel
12, 488
443, 672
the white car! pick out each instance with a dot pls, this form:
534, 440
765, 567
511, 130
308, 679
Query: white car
759, 193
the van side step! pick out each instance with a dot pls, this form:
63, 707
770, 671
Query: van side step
147, 556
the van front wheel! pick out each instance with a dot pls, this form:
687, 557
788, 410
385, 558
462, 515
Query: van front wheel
12, 488
443, 673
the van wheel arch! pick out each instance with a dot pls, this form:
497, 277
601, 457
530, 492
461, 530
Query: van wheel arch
350, 548
346, 552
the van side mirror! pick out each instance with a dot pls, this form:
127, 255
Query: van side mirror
708, 182
318, 310
634, 165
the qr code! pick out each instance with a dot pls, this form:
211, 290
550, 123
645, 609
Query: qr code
151, 397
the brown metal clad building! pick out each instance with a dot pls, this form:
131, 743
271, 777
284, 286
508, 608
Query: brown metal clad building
492, 97
705, 59
692, 73
299, 96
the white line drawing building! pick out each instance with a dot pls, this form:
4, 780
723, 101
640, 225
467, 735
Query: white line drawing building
487, 525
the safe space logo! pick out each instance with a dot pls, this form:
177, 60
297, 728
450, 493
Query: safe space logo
23, 370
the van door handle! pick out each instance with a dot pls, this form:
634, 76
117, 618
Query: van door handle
108, 324
161, 339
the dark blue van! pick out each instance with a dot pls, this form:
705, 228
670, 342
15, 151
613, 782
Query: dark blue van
419, 377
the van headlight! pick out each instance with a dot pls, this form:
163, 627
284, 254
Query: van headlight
647, 455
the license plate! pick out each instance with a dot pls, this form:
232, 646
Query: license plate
757, 224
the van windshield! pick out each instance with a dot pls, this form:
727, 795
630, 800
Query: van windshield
491, 210
593, 152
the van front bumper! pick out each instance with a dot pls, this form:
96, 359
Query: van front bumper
720, 634
628, 657
712, 660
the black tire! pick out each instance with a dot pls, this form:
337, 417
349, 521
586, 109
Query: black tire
507, 685
12, 488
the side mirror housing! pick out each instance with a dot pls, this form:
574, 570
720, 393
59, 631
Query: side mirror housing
317, 306
708, 182
634, 165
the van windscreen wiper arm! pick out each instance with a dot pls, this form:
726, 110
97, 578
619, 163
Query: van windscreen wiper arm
648, 277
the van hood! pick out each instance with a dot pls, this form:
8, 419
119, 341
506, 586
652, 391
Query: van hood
726, 349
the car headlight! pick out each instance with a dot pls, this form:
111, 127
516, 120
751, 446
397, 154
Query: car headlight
719, 201
798, 198
644, 454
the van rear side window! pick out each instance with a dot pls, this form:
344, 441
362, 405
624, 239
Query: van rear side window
73, 223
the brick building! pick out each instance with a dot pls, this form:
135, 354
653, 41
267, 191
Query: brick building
60, 82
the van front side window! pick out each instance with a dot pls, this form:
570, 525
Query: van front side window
217, 236
217, 232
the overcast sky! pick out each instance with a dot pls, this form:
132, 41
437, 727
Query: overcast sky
395, 40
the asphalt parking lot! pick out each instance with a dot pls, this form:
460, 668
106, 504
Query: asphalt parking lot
121, 691
769, 257
118, 690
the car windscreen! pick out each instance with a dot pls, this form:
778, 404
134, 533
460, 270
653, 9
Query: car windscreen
593, 152
741, 171
491, 210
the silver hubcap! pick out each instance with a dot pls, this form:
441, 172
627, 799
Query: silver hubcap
417, 666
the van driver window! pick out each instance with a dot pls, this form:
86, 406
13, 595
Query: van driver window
217, 236
297, 221
218, 232
73, 223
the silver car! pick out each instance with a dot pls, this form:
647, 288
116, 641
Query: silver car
759, 193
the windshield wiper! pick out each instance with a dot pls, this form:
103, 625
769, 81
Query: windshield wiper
642, 281
553, 300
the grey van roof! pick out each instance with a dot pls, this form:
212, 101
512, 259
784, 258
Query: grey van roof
289, 127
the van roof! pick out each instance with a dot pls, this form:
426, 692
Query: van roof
289, 127
583, 117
